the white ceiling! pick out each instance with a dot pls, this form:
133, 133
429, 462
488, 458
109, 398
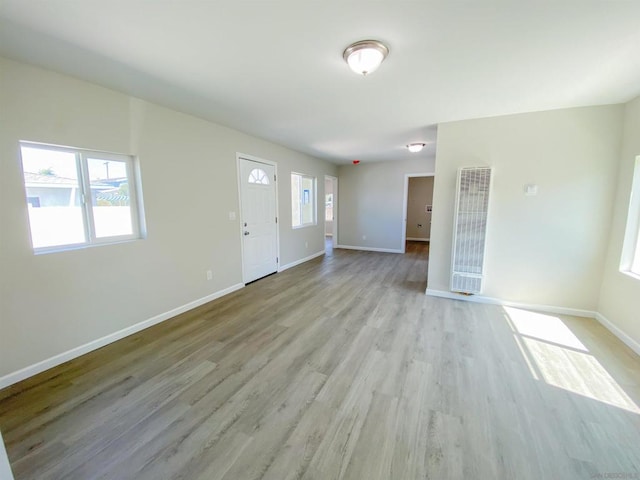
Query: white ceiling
274, 69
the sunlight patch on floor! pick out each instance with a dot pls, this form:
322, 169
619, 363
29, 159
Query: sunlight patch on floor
555, 353
544, 327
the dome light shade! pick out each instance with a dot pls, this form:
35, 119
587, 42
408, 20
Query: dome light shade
415, 147
365, 56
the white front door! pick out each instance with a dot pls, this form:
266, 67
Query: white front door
258, 219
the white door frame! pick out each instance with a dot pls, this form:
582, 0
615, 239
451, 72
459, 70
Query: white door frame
243, 156
334, 182
405, 201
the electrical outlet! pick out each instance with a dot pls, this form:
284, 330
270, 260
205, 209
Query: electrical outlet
209, 275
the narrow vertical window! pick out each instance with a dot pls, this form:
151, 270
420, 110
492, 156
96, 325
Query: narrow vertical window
303, 200
630, 261
328, 207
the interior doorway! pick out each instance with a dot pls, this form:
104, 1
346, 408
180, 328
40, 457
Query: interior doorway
330, 212
416, 227
418, 208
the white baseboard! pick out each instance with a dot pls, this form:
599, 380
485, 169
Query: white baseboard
298, 262
51, 362
415, 239
604, 321
626, 339
39, 367
576, 312
370, 249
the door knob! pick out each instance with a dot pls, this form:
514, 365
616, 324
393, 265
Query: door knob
246, 233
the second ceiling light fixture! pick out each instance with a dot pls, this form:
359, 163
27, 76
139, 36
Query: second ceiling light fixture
364, 57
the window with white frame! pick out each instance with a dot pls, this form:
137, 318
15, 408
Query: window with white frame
303, 200
78, 197
630, 262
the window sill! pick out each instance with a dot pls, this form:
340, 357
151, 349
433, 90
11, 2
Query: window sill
82, 246
628, 273
306, 225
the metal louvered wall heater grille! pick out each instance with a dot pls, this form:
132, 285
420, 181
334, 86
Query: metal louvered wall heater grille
470, 228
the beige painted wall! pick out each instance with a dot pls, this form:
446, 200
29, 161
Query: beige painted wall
371, 202
620, 293
55, 302
548, 249
420, 194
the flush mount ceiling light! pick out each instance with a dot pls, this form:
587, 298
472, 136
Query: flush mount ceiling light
365, 56
415, 147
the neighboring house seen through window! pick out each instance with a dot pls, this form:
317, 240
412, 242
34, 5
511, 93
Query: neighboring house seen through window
79, 197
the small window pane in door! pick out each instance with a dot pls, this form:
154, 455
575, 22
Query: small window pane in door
258, 176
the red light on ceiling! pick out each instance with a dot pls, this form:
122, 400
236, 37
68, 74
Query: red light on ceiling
356, 162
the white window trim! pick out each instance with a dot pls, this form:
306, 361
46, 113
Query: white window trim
133, 175
314, 200
632, 230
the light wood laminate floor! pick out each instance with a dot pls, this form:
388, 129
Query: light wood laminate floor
340, 368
